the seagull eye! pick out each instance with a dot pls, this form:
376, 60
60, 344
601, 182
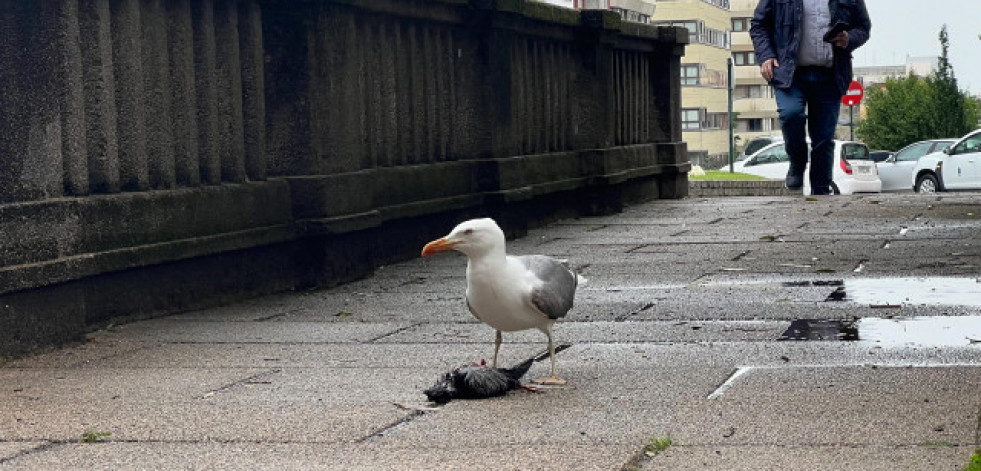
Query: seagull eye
468, 232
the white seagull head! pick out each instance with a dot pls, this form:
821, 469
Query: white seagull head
475, 238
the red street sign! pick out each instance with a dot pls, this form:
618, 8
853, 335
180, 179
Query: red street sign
854, 94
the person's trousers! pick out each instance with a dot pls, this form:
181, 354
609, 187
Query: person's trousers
812, 102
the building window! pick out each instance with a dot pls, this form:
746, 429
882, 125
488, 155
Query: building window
691, 119
698, 33
724, 4
754, 125
716, 121
593, 5
751, 91
694, 119
691, 26
631, 15
744, 58
740, 24
689, 74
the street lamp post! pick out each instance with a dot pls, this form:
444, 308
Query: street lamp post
732, 144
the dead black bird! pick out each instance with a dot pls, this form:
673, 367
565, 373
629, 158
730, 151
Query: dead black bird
477, 382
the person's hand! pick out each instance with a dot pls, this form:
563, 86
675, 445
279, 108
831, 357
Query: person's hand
841, 40
766, 70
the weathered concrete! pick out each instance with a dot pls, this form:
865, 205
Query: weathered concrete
708, 188
303, 143
674, 335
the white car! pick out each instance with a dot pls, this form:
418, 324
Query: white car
956, 168
895, 171
853, 170
754, 145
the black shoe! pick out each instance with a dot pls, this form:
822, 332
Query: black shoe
794, 182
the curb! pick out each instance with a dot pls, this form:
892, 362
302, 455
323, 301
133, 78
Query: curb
709, 188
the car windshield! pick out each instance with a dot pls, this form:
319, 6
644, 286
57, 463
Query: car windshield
775, 154
755, 145
854, 151
970, 144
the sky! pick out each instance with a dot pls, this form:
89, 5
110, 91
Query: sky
912, 27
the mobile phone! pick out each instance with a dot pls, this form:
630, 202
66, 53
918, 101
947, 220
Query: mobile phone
833, 32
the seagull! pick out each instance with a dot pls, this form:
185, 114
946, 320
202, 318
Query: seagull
507, 292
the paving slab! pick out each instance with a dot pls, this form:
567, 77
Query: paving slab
208, 419
91, 385
814, 458
312, 356
373, 457
190, 331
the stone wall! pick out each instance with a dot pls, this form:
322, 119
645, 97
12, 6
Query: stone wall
166, 155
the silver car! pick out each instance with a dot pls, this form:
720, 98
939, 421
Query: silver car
896, 171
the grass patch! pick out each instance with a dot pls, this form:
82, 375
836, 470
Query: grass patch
95, 437
657, 445
975, 464
724, 175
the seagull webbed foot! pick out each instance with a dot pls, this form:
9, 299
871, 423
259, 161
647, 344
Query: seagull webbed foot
550, 381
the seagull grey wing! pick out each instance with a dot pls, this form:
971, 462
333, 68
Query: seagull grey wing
558, 290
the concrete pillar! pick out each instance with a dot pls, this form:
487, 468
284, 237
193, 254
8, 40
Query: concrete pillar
156, 84
338, 93
253, 89
206, 90
71, 100
183, 93
101, 138
231, 140
665, 97
594, 110
31, 166
402, 64
388, 116
287, 38
127, 50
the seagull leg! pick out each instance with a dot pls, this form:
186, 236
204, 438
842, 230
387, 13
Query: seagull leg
553, 380
497, 346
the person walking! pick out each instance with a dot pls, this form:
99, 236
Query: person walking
804, 48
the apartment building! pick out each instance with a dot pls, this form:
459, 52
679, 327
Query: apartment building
639, 11
704, 75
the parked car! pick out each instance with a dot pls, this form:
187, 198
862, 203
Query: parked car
853, 170
956, 168
753, 146
895, 171
879, 155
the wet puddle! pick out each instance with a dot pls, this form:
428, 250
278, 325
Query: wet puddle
935, 331
910, 291
921, 331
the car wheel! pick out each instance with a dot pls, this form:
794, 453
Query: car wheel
834, 189
927, 183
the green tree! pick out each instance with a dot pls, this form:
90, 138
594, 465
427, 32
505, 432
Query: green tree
952, 115
903, 111
897, 113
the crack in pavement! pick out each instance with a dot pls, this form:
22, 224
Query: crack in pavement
380, 433
38, 449
248, 380
394, 332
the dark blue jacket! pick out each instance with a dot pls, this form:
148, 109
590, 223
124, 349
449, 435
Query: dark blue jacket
776, 30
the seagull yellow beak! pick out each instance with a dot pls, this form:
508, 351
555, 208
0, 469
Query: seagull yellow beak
437, 246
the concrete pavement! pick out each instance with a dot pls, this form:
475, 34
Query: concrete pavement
674, 336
